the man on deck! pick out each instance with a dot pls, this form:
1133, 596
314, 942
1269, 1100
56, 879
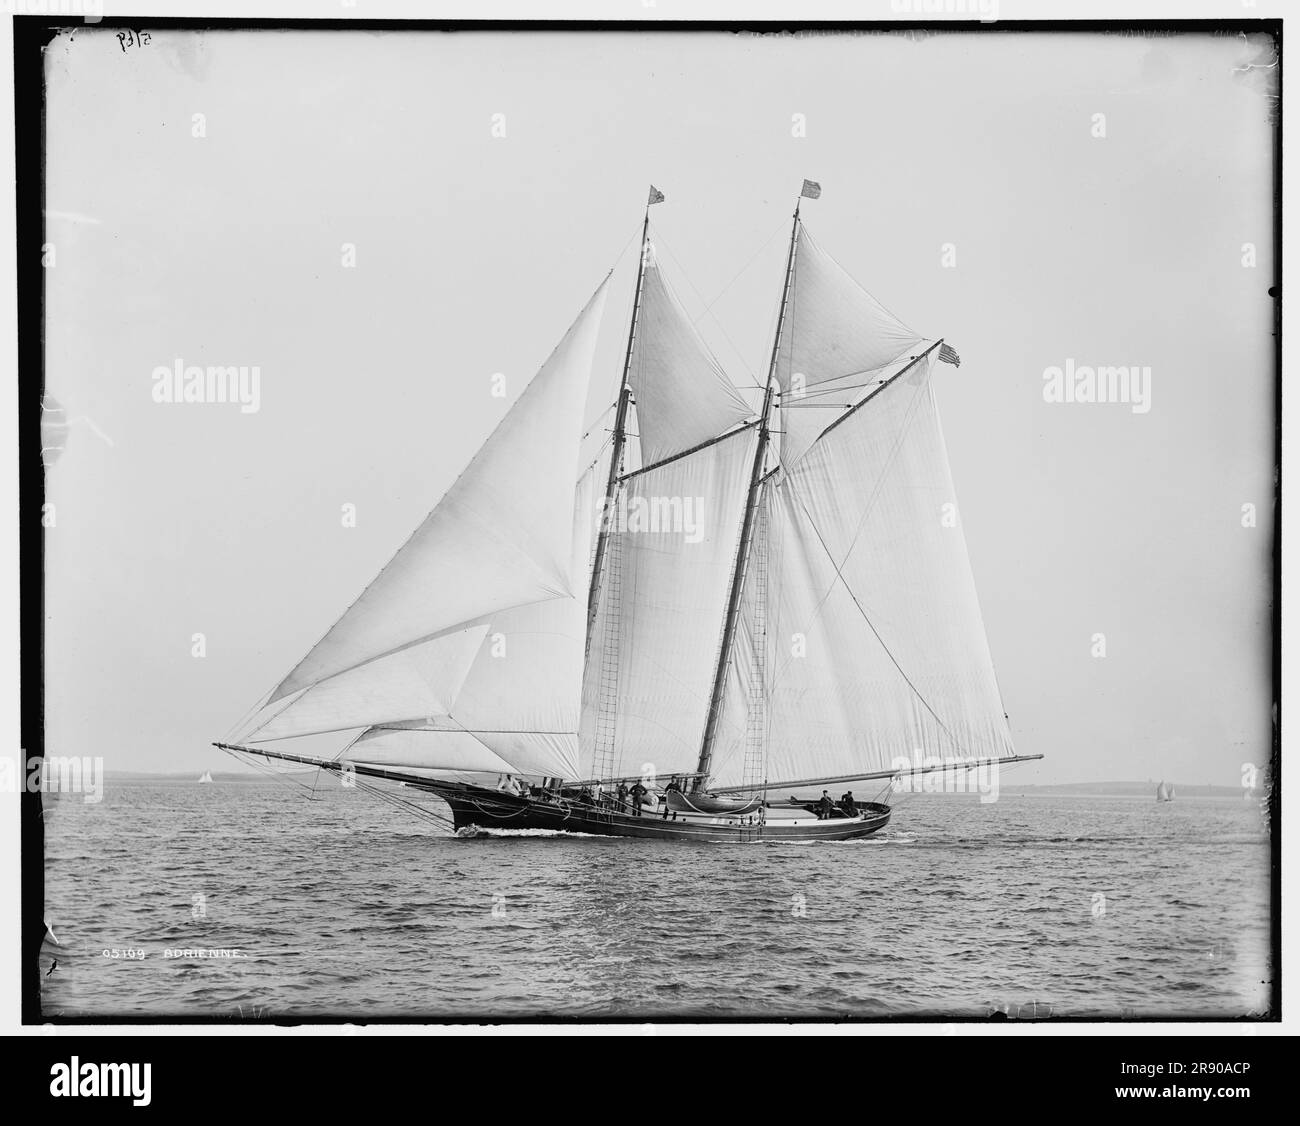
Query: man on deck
638, 796
825, 806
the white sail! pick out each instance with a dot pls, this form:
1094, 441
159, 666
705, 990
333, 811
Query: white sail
803, 418
743, 723
835, 341
426, 755
420, 680
504, 693
683, 397
877, 651
500, 536
652, 668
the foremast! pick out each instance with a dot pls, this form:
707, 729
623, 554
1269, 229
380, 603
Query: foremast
756, 479
620, 429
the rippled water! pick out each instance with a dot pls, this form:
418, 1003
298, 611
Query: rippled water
342, 906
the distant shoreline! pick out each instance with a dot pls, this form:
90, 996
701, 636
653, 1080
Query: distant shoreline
1064, 789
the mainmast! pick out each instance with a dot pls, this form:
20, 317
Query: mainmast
747, 527
620, 428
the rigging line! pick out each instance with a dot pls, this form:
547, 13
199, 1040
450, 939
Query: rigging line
266, 769
821, 605
871, 501
600, 452
636, 233
824, 390
775, 231
885, 647
596, 421
404, 804
258, 705
722, 328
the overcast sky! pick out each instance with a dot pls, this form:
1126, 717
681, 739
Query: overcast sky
474, 252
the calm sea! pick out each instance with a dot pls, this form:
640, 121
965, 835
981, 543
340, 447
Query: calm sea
343, 906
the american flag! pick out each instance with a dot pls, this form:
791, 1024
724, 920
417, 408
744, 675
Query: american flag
811, 190
656, 196
948, 356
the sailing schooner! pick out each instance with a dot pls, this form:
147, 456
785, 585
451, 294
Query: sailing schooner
717, 608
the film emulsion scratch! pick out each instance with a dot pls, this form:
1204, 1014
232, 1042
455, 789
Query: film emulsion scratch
793, 539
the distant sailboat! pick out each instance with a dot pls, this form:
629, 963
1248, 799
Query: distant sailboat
648, 593
1164, 792
206, 776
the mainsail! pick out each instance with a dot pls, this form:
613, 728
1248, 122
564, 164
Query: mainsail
864, 651
876, 646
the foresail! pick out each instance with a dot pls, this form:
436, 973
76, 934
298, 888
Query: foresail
659, 623
833, 331
683, 397
877, 649
500, 536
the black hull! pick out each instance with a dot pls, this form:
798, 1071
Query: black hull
489, 809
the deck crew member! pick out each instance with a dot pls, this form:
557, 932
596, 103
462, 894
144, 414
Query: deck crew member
638, 796
621, 794
825, 806
848, 804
